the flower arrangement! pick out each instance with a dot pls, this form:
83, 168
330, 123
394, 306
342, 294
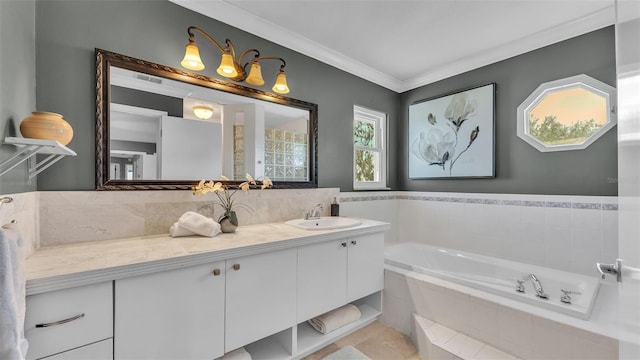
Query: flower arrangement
225, 193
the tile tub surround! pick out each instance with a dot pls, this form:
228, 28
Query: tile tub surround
498, 322
569, 233
78, 216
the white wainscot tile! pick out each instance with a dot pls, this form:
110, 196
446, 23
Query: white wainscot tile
586, 250
395, 284
514, 331
532, 243
586, 219
589, 346
483, 320
558, 247
533, 214
550, 340
558, 216
609, 235
427, 300
395, 313
456, 310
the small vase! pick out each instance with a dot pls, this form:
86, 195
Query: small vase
226, 225
47, 126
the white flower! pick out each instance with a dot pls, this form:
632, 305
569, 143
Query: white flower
435, 148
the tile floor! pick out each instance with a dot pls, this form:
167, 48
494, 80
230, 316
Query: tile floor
377, 341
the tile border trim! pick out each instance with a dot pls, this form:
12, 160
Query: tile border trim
475, 199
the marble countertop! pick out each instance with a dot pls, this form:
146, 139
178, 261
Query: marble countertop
63, 266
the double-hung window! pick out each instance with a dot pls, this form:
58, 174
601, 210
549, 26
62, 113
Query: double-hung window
369, 149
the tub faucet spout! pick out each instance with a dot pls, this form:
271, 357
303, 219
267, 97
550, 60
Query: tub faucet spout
538, 287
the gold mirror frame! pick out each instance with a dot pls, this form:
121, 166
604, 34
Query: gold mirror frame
106, 59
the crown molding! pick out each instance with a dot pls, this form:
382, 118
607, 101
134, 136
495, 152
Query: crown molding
239, 18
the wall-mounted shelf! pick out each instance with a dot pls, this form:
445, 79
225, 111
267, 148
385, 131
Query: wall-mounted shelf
28, 148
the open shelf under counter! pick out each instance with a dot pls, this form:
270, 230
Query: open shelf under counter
277, 346
309, 340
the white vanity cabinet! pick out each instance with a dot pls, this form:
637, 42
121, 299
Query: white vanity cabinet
174, 314
333, 273
261, 296
57, 322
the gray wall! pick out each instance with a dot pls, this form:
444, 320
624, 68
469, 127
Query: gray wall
68, 31
520, 168
17, 83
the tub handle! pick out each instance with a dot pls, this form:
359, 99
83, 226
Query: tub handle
566, 295
520, 286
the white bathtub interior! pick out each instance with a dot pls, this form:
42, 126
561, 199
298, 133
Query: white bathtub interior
498, 276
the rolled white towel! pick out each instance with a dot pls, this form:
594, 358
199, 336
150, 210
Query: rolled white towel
335, 319
198, 224
176, 231
237, 354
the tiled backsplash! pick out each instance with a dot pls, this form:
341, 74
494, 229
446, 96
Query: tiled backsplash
74, 216
569, 233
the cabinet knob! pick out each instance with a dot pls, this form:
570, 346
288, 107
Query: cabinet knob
216, 272
344, 244
353, 242
236, 267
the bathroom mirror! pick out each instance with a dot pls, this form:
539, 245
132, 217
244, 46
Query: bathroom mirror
567, 114
159, 127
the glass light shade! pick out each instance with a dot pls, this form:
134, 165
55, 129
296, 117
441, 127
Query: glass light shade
202, 112
227, 67
255, 75
191, 58
281, 86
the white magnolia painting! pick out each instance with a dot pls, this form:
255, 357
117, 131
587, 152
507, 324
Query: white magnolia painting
452, 136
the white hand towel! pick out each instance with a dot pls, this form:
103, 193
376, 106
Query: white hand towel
13, 345
335, 319
176, 231
237, 354
199, 224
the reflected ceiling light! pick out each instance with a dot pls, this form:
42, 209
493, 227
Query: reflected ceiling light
231, 66
202, 112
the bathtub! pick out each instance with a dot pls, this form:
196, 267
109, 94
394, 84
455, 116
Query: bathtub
498, 276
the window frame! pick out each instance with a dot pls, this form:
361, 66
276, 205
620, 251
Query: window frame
380, 119
579, 81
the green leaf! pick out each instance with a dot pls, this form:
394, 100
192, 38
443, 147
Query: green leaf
233, 218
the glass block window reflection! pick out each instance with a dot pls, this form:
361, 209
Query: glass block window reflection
285, 155
238, 153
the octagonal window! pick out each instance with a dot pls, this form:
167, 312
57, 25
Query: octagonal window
567, 114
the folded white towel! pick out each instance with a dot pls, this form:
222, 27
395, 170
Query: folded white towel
335, 319
176, 231
13, 345
198, 224
237, 354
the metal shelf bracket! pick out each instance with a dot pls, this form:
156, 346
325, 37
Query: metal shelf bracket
28, 148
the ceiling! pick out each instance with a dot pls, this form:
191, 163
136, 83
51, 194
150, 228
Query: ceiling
402, 45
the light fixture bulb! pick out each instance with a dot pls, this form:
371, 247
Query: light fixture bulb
191, 58
255, 75
202, 112
281, 86
227, 66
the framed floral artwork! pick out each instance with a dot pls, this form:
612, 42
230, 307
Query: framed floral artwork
452, 136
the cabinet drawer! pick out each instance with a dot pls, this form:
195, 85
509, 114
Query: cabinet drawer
65, 319
102, 350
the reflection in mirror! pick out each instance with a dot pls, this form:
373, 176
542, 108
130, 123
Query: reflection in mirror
163, 128
567, 114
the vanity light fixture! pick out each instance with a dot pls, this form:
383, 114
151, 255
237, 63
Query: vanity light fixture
202, 112
231, 66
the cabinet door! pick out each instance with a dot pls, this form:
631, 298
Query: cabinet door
322, 278
365, 265
261, 296
102, 350
176, 314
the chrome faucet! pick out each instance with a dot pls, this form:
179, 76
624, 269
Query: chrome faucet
314, 213
538, 287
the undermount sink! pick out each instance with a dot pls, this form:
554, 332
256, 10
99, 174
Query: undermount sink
324, 223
